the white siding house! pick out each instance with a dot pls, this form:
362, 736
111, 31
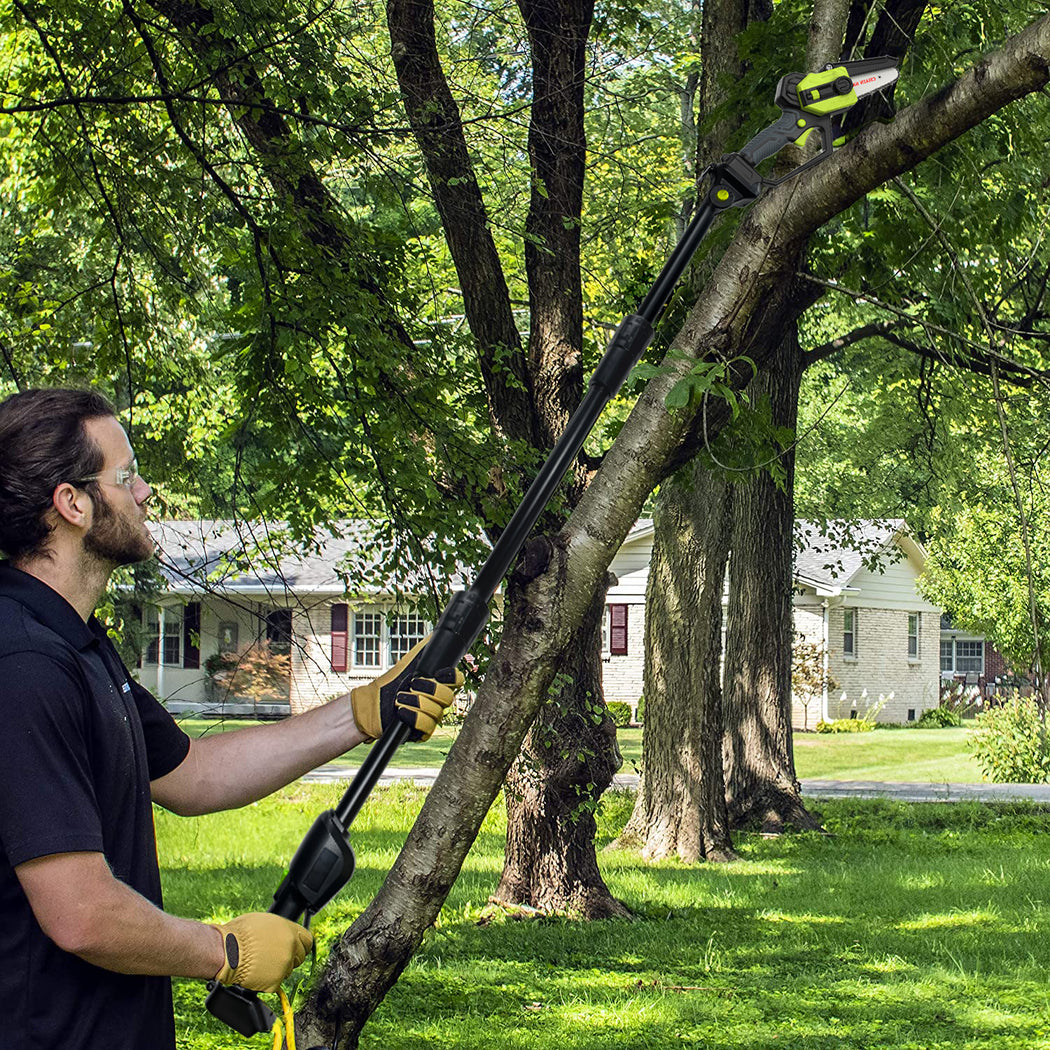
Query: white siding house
857, 597
234, 586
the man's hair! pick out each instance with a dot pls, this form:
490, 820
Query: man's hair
42, 444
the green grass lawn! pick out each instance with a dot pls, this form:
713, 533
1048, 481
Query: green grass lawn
937, 755
917, 927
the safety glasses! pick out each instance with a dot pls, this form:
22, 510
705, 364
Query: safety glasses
122, 477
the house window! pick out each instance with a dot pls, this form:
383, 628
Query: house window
229, 636
191, 636
618, 630
169, 649
405, 632
914, 625
368, 629
962, 657
947, 659
849, 632
279, 630
969, 656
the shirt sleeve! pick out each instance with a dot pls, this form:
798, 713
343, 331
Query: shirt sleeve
47, 795
166, 744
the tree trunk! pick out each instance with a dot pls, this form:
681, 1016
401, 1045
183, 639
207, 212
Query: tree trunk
566, 763
681, 805
760, 776
570, 755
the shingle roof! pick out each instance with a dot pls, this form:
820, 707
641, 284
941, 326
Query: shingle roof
260, 557
831, 554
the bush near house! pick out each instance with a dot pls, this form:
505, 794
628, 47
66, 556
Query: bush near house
620, 713
256, 673
1010, 743
846, 725
938, 718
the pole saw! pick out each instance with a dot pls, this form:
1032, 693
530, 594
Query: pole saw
324, 862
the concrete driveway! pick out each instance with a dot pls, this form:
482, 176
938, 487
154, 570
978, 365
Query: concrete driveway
902, 790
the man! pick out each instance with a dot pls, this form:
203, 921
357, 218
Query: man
87, 948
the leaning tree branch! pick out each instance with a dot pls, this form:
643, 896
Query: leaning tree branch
873, 330
438, 128
975, 356
975, 361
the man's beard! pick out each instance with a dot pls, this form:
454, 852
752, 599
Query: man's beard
114, 539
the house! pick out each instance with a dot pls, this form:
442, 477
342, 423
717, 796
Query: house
231, 586
855, 595
970, 661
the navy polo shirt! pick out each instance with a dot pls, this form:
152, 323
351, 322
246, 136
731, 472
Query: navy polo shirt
81, 742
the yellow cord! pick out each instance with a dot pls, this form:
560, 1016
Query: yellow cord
289, 1019
289, 1024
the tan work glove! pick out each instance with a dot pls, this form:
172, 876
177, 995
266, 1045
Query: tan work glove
420, 704
261, 950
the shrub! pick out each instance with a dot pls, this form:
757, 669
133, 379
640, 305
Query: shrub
846, 725
1010, 743
255, 673
619, 712
938, 718
640, 713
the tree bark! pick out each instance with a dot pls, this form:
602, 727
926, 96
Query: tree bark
681, 806
681, 800
567, 762
438, 129
760, 780
570, 757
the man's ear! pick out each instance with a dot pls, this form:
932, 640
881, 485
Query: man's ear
71, 504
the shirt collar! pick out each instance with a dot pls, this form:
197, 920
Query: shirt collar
46, 605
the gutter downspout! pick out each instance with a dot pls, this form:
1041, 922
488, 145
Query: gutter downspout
160, 653
824, 646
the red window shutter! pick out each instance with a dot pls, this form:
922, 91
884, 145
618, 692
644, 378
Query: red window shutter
191, 635
339, 635
618, 630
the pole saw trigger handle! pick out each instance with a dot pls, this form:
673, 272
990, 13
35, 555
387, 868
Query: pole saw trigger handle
817, 102
809, 102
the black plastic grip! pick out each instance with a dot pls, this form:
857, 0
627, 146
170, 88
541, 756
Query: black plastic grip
773, 139
632, 336
239, 1008
321, 867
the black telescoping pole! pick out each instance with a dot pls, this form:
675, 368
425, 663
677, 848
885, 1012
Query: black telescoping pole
621, 355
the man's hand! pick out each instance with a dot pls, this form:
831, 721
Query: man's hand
420, 704
261, 950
